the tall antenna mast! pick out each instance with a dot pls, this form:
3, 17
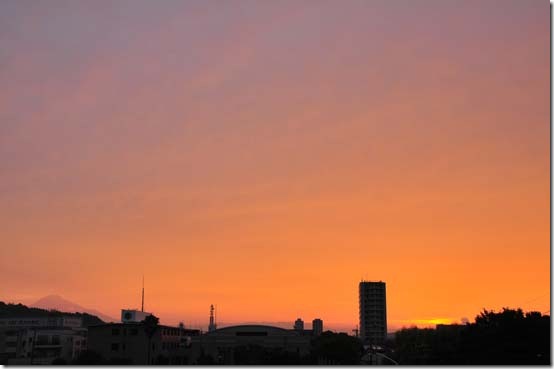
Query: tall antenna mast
212, 326
142, 307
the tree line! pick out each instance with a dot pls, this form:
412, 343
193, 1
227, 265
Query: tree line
509, 337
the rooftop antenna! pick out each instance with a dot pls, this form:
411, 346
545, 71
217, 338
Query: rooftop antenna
142, 307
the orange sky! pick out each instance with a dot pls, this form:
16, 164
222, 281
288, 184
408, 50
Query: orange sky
265, 157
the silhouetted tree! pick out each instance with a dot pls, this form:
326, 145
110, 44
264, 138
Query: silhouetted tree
507, 337
415, 346
22, 311
337, 349
150, 324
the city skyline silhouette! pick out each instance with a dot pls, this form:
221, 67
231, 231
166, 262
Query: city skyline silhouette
58, 337
264, 157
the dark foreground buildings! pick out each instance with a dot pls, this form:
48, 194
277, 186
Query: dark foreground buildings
373, 312
121, 343
223, 344
41, 340
131, 343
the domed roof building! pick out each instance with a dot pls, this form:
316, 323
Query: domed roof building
221, 343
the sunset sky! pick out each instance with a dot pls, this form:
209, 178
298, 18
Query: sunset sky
264, 156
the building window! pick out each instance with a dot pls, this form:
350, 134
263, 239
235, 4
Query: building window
134, 332
115, 332
115, 346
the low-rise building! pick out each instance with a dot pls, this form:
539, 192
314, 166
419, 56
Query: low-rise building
130, 342
221, 343
41, 340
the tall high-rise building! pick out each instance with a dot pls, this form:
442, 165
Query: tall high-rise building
373, 312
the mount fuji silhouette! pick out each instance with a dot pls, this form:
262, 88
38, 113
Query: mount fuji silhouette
56, 302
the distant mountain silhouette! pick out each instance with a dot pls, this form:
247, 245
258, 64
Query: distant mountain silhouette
56, 302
